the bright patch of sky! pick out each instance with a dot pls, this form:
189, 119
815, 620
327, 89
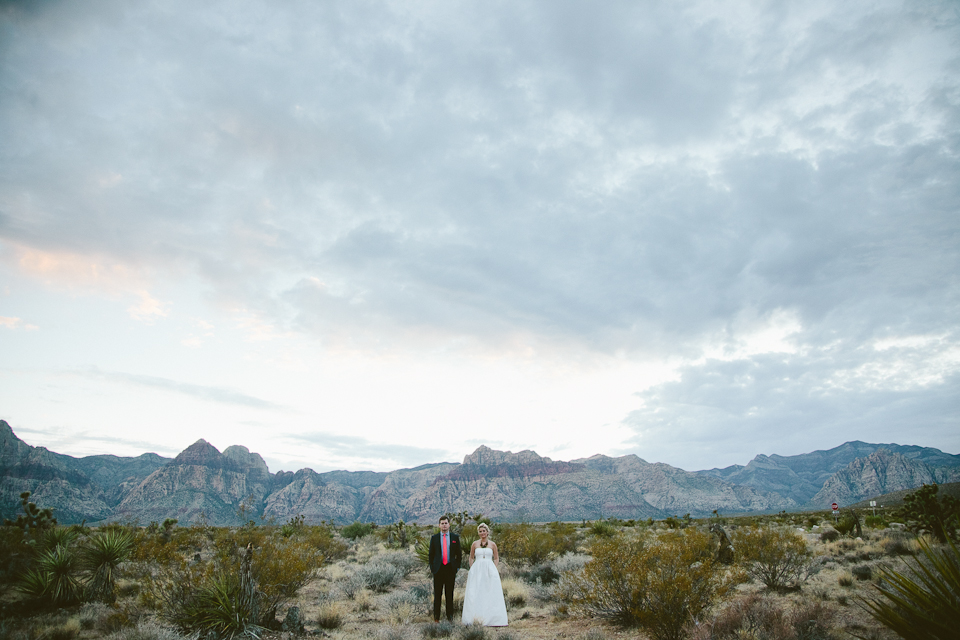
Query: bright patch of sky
372, 236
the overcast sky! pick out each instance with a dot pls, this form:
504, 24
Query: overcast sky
373, 235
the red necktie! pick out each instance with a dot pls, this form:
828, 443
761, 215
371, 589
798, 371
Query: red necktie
443, 537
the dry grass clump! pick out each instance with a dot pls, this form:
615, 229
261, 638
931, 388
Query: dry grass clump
401, 607
515, 593
330, 616
363, 601
149, 630
845, 579
64, 631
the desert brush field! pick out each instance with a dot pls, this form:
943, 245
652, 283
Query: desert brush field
803, 576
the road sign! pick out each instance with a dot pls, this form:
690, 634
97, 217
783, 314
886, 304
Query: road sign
835, 506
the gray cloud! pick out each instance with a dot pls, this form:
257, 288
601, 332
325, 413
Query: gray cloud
631, 179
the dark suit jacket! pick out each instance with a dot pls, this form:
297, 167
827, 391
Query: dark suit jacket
436, 553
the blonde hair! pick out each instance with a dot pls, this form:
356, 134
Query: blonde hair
484, 526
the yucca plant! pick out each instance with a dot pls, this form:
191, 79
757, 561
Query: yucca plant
61, 565
34, 583
921, 602
219, 609
57, 537
101, 558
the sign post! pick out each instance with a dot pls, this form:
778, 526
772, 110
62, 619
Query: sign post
836, 511
873, 503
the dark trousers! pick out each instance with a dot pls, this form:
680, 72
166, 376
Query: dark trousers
443, 581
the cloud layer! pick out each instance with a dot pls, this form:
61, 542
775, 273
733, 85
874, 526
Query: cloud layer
761, 195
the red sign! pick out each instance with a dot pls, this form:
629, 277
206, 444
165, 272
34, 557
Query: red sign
835, 506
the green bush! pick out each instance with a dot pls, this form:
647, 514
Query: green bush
602, 529
524, 543
923, 511
778, 558
659, 585
357, 530
922, 601
846, 525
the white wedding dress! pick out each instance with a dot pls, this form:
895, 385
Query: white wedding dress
483, 598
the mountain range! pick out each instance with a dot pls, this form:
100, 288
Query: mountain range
235, 485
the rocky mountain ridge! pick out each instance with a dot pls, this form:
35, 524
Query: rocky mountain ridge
235, 485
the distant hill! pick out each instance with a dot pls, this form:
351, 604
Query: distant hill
803, 477
234, 486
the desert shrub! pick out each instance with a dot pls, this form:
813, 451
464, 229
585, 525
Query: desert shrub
602, 529
280, 566
527, 544
570, 562
897, 544
323, 539
845, 579
379, 577
357, 530
403, 561
778, 558
401, 607
422, 592
829, 535
350, 586
755, 616
91, 614
237, 590
223, 607
846, 525
862, 572
392, 633
437, 630
330, 616
65, 631
148, 630
543, 573
473, 632
659, 585
674, 522
922, 600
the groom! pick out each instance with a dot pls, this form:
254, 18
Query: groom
444, 563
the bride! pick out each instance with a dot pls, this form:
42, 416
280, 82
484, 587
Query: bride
483, 598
